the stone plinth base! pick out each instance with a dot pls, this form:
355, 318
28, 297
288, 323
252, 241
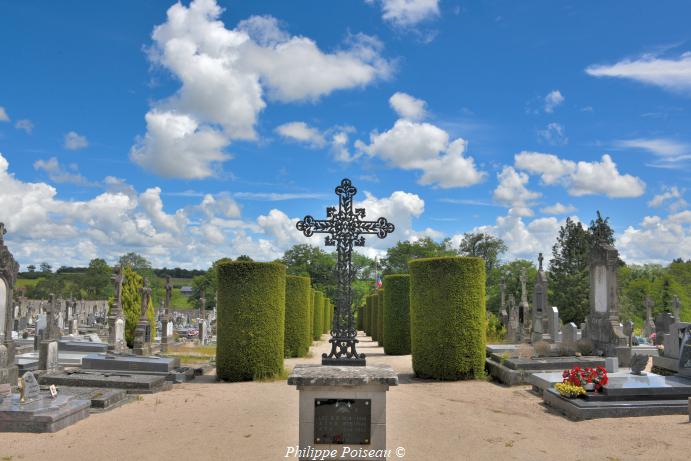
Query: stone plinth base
343, 389
42, 415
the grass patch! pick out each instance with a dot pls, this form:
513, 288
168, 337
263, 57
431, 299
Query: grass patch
282, 376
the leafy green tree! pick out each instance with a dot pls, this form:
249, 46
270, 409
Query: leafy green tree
512, 273
46, 268
397, 257
97, 279
486, 246
569, 285
312, 261
31, 268
244, 258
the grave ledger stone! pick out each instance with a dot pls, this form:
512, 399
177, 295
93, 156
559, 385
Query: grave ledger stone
142, 334
342, 401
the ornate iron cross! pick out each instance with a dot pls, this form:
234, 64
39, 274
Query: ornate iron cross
345, 228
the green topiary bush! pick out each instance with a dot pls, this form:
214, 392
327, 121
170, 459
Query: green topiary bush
360, 313
447, 317
132, 304
325, 318
380, 316
251, 320
318, 316
311, 319
298, 335
396, 314
375, 317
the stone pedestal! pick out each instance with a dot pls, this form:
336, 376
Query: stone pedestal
342, 410
8, 370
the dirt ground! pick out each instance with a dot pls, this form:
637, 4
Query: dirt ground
478, 420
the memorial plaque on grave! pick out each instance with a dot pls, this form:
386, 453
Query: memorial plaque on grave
342, 421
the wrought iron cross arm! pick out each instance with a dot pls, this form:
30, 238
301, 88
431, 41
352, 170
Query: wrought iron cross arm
381, 227
310, 226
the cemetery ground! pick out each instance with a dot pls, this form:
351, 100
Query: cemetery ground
473, 420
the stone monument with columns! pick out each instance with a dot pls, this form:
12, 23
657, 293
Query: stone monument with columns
9, 269
603, 327
116, 322
540, 302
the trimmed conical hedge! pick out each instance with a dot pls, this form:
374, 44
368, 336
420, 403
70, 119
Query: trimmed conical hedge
360, 314
447, 317
380, 316
318, 325
313, 294
251, 320
298, 335
396, 314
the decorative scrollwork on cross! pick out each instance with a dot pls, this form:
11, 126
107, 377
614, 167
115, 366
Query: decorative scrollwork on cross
345, 228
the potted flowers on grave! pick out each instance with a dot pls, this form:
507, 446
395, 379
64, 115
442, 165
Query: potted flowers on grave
577, 381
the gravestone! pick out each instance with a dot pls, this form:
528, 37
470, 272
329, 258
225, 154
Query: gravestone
142, 334
603, 328
685, 354
663, 322
48, 356
524, 310
116, 324
166, 324
540, 303
514, 325
569, 334
30, 389
628, 332
648, 324
502, 306
676, 308
554, 324
203, 332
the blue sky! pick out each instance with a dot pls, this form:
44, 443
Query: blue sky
191, 131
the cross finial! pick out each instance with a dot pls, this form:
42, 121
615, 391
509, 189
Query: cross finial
540, 259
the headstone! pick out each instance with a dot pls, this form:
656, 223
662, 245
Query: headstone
628, 331
554, 323
512, 331
502, 292
30, 388
638, 363
569, 334
524, 310
648, 325
166, 324
116, 324
203, 332
540, 302
48, 356
74, 327
603, 327
676, 308
685, 354
663, 322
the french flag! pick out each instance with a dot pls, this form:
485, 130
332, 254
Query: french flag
378, 283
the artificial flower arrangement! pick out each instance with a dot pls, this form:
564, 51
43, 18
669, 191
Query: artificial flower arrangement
569, 390
578, 376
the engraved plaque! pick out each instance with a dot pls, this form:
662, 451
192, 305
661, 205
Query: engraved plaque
342, 421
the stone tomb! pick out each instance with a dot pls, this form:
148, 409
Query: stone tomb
169, 367
38, 412
343, 409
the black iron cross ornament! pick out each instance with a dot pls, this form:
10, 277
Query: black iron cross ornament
346, 230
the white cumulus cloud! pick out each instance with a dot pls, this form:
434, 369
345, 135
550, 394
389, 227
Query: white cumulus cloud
301, 132
512, 191
3, 115
25, 125
407, 106
75, 141
406, 13
657, 239
581, 178
670, 194
226, 76
558, 208
422, 146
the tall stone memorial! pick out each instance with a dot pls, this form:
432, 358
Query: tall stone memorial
142, 334
524, 310
540, 302
503, 313
604, 329
166, 324
648, 325
514, 324
116, 322
9, 270
343, 401
48, 347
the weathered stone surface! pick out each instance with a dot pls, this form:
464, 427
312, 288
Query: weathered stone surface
130, 363
43, 415
133, 384
319, 375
